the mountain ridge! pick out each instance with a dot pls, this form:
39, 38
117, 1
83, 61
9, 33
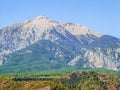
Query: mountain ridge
68, 43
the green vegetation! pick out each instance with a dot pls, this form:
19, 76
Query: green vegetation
90, 80
63, 79
37, 57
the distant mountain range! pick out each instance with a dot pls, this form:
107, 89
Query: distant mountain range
43, 44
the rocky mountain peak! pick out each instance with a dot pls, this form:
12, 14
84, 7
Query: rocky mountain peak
72, 44
40, 17
23, 34
79, 30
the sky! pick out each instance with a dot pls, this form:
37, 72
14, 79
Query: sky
102, 16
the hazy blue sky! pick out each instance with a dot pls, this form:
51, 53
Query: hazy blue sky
102, 16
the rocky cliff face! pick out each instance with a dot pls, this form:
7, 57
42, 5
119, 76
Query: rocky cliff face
86, 47
98, 58
103, 58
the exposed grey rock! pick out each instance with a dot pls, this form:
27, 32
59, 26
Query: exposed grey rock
20, 35
108, 58
86, 47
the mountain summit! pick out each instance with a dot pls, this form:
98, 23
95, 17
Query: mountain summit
43, 41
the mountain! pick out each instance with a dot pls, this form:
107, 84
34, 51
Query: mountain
42, 44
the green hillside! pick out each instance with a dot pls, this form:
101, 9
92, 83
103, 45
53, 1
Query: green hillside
37, 57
